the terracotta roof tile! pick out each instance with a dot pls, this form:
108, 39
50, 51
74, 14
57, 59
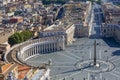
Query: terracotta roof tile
5, 67
22, 71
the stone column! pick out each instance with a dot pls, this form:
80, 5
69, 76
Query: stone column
48, 47
35, 50
44, 48
38, 49
26, 53
55, 46
52, 47
58, 45
23, 56
29, 53
41, 48
63, 45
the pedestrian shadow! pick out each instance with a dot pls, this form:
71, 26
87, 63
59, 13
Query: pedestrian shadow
111, 42
116, 53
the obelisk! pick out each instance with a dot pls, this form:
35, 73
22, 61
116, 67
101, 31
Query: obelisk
94, 63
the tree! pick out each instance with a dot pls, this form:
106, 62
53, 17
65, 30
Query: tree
19, 37
15, 38
26, 34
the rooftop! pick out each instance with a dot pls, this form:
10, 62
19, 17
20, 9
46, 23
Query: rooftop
6, 67
76, 12
111, 12
112, 9
22, 71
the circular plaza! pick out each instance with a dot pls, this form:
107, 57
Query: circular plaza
75, 61
102, 66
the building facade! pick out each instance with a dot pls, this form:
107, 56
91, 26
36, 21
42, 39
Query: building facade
117, 34
59, 30
80, 15
111, 27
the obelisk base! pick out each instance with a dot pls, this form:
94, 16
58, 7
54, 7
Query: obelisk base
97, 65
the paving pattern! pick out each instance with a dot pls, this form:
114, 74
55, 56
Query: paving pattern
64, 64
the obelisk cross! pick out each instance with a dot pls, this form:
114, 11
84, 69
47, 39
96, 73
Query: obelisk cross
94, 63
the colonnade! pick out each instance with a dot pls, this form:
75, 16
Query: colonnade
38, 47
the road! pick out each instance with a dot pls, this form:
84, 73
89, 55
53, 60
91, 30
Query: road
97, 21
9, 58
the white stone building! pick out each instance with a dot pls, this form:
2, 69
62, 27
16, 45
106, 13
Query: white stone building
111, 27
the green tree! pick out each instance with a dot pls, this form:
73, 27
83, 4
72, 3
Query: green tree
26, 34
19, 37
15, 38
